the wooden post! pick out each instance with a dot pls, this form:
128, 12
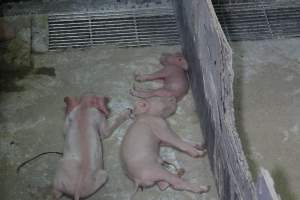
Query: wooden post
211, 78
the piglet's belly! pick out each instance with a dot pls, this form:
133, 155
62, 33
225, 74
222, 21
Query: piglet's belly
136, 170
136, 164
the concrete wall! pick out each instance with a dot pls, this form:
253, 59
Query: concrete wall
211, 78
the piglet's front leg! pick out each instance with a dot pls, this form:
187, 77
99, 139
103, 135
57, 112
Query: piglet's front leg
147, 93
107, 129
194, 150
150, 77
169, 138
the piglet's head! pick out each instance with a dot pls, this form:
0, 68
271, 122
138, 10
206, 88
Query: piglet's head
96, 101
156, 106
176, 59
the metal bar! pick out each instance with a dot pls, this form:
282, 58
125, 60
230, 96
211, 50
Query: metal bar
130, 23
112, 29
244, 15
124, 44
113, 15
130, 42
148, 27
243, 25
67, 37
124, 18
79, 31
94, 34
253, 21
160, 29
117, 36
140, 37
74, 21
134, 40
66, 26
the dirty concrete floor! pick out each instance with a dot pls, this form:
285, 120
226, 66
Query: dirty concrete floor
268, 78
32, 122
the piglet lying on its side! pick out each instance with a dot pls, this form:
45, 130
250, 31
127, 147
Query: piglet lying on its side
174, 78
141, 143
80, 172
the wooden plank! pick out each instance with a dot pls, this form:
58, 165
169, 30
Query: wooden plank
211, 77
265, 186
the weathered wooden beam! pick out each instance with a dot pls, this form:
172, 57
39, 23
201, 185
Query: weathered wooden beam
265, 186
211, 77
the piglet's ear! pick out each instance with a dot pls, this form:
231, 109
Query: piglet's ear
71, 103
184, 64
143, 105
101, 105
181, 61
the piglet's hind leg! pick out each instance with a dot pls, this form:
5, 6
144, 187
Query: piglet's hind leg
143, 93
162, 176
57, 194
180, 184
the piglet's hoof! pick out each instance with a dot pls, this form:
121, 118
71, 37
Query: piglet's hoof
134, 87
180, 172
201, 150
138, 78
132, 92
200, 147
130, 113
201, 153
204, 189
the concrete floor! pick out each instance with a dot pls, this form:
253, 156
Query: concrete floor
32, 122
268, 78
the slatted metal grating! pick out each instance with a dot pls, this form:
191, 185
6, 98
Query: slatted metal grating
88, 23
122, 28
258, 20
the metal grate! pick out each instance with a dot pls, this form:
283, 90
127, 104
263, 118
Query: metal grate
259, 20
122, 28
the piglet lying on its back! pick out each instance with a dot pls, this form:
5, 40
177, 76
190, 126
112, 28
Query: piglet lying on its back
80, 172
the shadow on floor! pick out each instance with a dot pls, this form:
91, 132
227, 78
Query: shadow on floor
282, 184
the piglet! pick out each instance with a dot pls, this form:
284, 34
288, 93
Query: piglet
174, 78
80, 172
141, 143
